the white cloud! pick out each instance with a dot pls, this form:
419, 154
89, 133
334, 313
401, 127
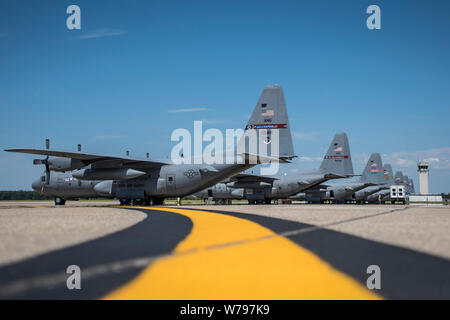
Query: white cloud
100, 33
438, 158
187, 110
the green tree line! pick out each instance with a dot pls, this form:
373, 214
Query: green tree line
22, 195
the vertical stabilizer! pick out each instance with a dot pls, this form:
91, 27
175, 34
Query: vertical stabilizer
269, 124
388, 174
338, 159
373, 173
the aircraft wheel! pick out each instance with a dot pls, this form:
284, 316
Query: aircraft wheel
138, 202
267, 201
125, 202
158, 201
59, 201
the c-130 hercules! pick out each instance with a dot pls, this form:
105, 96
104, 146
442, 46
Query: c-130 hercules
336, 164
147, 180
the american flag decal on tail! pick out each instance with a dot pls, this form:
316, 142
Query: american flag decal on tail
268, 113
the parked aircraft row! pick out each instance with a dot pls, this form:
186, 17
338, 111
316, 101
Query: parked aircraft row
70, 175
373, 185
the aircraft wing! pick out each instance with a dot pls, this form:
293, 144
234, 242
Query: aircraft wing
104, 160
317, 188
243, 177
334, 176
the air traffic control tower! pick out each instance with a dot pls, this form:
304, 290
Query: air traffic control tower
422, 167
424, 197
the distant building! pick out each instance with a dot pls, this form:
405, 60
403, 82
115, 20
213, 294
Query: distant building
424, 196
422, 167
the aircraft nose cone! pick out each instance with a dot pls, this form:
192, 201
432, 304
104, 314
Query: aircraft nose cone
36, 185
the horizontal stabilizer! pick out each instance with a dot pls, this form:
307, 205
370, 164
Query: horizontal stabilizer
263, 159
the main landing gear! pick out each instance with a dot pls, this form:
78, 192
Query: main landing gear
140, 202
60, 201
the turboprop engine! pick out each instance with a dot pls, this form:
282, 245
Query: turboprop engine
250, 184
107, 174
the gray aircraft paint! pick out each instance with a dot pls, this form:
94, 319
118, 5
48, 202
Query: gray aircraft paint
64, 185
374, 191
372, 175
398, 179
164, 179
337, 163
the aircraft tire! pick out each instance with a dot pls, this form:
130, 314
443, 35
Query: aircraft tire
125, 202
158, 201
59, 201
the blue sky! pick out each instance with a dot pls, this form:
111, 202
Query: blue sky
111, 85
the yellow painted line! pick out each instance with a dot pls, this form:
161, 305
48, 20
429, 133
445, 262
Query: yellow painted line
225, 257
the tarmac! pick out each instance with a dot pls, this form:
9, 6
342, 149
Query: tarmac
223, 252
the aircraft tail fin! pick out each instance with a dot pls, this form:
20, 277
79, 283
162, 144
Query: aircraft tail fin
388, 174
398, 178
338, 159
268, 134
373, 172
411, 182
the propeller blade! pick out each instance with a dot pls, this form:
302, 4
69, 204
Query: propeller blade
47, 171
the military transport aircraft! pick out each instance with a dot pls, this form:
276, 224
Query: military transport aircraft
336, 164
361, 195
346, 192
389, 178
151, 181
398, 179
384, 184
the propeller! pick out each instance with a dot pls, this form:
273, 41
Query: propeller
45, 162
